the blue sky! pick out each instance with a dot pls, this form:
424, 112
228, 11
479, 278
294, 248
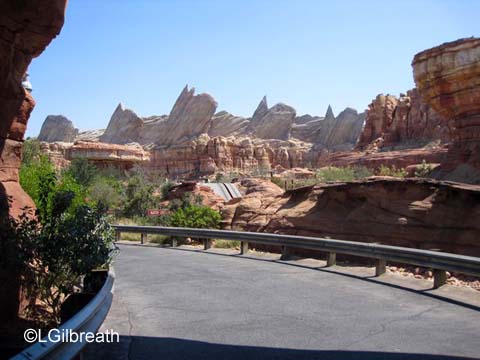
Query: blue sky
306, 53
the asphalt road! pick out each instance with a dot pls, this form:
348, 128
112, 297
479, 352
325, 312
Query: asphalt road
177, 304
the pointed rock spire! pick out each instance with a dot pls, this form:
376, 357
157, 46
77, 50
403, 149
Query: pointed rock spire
329, 114
261, 110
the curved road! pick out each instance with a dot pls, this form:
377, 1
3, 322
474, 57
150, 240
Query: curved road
180, 304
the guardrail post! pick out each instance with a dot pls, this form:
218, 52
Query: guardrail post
243, 247
380, 267
117, 235
331, 258
285, 253
173, 242
207, 244
143, 238
439, 278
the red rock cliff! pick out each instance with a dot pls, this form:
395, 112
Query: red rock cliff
448, 78
26, 28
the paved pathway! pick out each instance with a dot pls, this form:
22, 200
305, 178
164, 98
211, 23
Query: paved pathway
180, 304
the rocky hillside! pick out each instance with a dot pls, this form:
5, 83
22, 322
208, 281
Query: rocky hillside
412, 213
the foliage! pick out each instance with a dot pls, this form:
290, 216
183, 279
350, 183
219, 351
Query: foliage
53, 257
278, 181
332, 173
384, 170
423, 170
106, 191
166, 187
227, 244
138, 196
31, 150
195, 216
82, 171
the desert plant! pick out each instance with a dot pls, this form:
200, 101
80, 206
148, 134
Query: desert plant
384, 170
195, 216
423, 170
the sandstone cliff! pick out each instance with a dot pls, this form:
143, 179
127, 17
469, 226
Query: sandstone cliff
412, 213
403, 122
26, 28
448, 78
57, 128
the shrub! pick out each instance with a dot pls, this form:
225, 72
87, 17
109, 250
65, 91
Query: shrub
53, 257
105, 191
195, 216
392, 171
423, 170
165, 188
82, 171
138, 196
31, 150
336, 174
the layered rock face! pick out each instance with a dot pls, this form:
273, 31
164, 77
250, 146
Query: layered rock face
103, 155
57, 128
448, 78
412, 213
403, 122
26, 28
206, 156
273, 123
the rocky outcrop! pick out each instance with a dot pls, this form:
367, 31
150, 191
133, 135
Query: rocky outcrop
102, 155
406, 158
57, 128
276, 122
124, 127
403, 122
195, 190
26, 28
206, 156
225, 124
412, 213
448, 78
190, 116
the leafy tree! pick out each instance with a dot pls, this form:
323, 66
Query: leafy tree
82, 171
106, 191
31, 150
138, 196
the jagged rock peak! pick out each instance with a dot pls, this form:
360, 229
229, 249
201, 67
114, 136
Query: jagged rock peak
261, 109
57, 128
124, 127
329, 114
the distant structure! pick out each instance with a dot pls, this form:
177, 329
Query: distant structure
26, 83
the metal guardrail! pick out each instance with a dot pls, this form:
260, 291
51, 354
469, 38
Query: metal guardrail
438, 261
89, 319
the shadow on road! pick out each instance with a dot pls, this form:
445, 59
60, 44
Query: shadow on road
141, 347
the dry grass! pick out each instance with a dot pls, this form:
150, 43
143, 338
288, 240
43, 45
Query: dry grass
227, 244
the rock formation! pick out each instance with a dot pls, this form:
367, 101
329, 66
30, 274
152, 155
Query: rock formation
404, 122
412, 213
27, 27
103, 155
57, 128
190, 116
448, 78
124, 127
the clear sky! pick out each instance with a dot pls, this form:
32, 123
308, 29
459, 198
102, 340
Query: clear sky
306, 53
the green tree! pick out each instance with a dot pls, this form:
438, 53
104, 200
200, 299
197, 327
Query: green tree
31, 150
105, 191
138, 196
82, 171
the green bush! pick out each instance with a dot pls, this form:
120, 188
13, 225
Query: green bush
195, 216
52, 257
106, 191
423, 170
82, 171
332, 173
31, 150
138, 196
392, 171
